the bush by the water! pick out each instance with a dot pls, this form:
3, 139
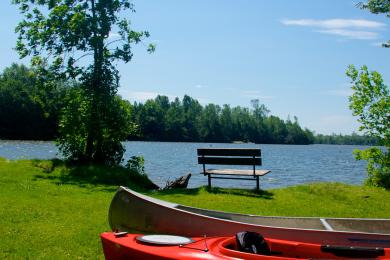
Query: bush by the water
89, 173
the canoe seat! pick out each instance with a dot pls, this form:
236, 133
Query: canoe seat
232, 156
252, 242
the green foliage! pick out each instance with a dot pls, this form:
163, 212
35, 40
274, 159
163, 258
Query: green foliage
137, 164
54, 33
27, 111
354, 138
378, 166
114, 127
64, 27
73, 130
187, 120
378, 7
370, 101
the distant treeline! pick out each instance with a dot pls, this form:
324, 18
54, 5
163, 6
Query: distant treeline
345, 139
160, 119
30, 111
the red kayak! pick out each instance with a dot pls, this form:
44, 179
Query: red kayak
245, 245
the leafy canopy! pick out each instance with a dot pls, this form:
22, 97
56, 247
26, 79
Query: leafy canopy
378, 7
58, 34
370, 101
65, 31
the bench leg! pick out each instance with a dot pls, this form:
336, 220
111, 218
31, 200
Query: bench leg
257, 183
209, 180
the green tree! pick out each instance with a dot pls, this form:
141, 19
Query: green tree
187, 120
260, 112
174, 128
26, 110
378, 7
227, 123
57, 34
210, 130
152, 120
192, 110
277, 130
370, 101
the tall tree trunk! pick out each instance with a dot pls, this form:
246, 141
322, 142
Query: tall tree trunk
95, 95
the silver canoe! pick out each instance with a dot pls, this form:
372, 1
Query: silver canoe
134, 212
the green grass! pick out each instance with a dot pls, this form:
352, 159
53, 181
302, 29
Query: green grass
317, 199
49, 210
40, 217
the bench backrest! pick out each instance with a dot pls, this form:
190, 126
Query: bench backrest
229, 156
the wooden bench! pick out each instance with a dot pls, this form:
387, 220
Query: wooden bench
232, 156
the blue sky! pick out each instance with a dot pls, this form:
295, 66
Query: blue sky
291, 55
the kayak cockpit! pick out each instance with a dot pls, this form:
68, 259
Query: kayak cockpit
282, 249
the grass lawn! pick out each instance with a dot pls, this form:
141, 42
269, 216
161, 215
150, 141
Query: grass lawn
317, 199
50, 211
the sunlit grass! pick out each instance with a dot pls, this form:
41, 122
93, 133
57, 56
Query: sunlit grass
49, 210
317, 199
40, 218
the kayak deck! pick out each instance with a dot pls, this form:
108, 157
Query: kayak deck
226, 248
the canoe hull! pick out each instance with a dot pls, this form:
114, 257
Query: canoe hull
131, 211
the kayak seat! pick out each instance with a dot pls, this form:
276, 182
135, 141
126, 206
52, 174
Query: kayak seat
252, 242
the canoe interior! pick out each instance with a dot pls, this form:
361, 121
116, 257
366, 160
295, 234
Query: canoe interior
307, 223
337, 224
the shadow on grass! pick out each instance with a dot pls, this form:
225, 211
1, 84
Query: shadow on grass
242, 192
109, 178
181, 191
215, 190
87, 175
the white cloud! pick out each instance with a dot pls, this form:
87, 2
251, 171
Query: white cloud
335, 23
360, 35
348, 28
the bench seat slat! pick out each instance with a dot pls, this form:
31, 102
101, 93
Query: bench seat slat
236, 172
229, 152
229, 160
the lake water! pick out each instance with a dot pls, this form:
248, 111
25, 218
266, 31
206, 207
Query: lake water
290, 164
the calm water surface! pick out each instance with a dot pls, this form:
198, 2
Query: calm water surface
290, 164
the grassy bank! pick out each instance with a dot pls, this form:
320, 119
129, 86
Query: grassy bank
52, 211
317, 199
